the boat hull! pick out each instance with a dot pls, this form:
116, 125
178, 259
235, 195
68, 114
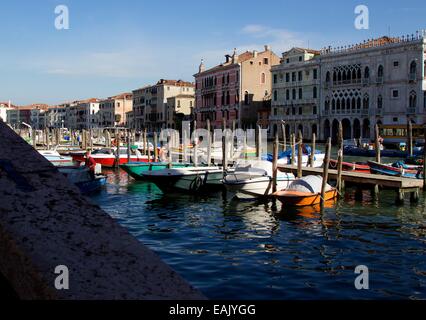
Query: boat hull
389, 170
349, 166
110, 161
135, 170
303, 199
185, 179
254, 188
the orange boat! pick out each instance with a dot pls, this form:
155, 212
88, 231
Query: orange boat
304, 192
303, 199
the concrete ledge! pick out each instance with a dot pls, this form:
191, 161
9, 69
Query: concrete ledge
46, 222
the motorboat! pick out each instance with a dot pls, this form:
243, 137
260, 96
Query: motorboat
284, 158
305, 191
81, 177
254, 178
397, 169
362, 167
55, 158
135, 169
191, 179
107, 156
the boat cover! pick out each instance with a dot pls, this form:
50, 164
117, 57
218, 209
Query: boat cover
310, 184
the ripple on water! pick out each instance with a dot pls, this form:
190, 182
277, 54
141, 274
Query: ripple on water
258, 250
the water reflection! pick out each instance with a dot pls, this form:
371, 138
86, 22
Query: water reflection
264, 250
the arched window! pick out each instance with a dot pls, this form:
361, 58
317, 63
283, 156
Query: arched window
262, 78
294, 94
358, 74
366, 102
338, 105
334, 76
333, 105
353, 103
344, 76
343, 105
413, 67
300, 93
380, 71
353, 75
367, 73
358, 103
379, 102
339, 76
413, 100
315, 93
275, 95
327, 77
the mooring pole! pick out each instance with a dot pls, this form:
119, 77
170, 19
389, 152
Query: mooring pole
128, 146
424, 161
410, 138
293, 148
313, 150
300, 155
209, 144
377, 144
325, 172
275, 164
117, 155
284, 137
155, 147
340, 157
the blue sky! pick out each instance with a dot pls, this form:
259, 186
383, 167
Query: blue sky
117, 46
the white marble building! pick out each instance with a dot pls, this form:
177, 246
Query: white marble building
380, 81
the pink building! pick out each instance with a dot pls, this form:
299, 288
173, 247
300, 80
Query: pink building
234, 90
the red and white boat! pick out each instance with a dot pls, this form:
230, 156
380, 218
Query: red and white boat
107, 156
351, 166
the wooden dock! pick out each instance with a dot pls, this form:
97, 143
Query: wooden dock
401, 185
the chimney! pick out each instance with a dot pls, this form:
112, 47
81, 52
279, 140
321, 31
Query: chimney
254, 53
201, 68
234, 56
228, 58
267, 48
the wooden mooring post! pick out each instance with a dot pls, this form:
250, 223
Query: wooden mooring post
155, 147
275, 164
258, 142
284, 137
312, 160
117, 152
377, 144
209, 144
34, 138
410, 138
340, 158
424, 161
145, 142
293, 148
325, 172
128, 146
299, 155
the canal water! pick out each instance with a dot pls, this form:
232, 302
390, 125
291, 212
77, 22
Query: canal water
231, 249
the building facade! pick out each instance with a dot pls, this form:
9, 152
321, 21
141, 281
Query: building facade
4, 107
112, 111
296, 93
179, 108
150, 103
380, 81
86, 114
234, 90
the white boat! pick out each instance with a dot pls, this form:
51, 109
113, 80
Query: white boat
190, 179
318, 160
254, 178
55, 158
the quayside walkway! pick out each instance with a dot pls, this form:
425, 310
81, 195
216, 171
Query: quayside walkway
45, 222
